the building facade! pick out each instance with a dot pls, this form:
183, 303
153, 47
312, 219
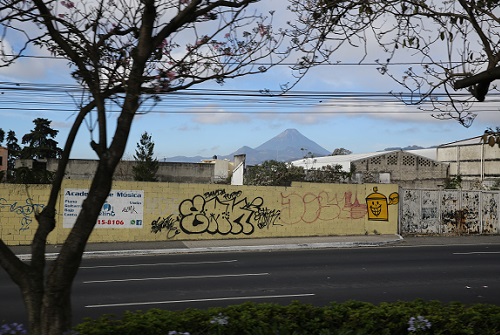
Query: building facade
478, 164
404, 168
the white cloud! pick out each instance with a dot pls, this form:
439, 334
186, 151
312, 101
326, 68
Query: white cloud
215, 115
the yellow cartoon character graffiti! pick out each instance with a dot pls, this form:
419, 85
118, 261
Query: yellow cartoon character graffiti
378, 206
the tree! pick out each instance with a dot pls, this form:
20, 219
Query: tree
123, 54
274, 173
40, 143
341, 151
491, 136
146, 167
455, 44
328, 174
2, 135
14, 150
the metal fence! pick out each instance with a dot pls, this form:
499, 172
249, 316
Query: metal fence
449, 212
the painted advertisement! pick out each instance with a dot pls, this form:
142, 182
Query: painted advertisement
122, 208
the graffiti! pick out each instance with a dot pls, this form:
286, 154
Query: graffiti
26, 211
129, 208
378, 205
166, 223
266, 217
220, 212
311, 207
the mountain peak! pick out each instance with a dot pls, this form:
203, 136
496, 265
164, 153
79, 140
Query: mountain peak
293, 141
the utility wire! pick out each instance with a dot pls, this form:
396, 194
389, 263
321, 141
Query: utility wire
45, 97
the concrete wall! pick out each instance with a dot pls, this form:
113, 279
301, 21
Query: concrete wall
406, 169
449, 212
201, 211
472, 162
167, 171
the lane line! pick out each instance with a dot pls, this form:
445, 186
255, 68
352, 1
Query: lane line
178, 277
163, 264
199, 300
485, 252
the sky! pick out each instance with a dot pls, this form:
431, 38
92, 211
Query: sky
217, 124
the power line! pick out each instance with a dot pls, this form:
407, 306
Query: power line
58, 98
289, 64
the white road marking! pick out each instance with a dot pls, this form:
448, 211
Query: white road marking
466, 253
163, 264
178, 277
198, 300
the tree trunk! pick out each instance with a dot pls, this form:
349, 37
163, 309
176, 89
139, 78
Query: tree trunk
56, 317
32, 293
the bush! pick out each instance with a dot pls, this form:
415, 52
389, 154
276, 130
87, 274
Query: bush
351, 317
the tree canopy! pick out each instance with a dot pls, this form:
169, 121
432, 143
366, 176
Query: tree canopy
455, 44
40, 143
146, 165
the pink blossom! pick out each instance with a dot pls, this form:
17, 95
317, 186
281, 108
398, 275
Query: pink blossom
171, 75
68, 4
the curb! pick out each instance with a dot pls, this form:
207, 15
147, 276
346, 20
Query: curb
119, 253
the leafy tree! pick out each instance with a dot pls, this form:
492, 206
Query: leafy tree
2, 135
14, 150
327, 174
14, 153
453, 183
273, 173
455, 45
40, 143
491, 137
123, 54
341, 151
146, 167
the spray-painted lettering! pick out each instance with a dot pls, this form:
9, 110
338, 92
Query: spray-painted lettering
25, 211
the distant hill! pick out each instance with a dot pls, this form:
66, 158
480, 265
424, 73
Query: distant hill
413, 147
286, 146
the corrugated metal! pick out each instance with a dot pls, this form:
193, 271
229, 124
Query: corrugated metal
449, 212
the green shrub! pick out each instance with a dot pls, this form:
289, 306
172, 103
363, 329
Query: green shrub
351, 317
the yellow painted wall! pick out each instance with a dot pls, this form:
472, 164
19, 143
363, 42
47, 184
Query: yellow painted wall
209, 211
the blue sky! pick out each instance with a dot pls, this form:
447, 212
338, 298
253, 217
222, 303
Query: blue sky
220, 127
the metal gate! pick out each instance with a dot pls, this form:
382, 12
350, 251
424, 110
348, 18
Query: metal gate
449, 212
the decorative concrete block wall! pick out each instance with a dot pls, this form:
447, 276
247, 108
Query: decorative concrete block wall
146, 211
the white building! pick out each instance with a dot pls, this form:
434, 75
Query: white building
409, 169
474, 161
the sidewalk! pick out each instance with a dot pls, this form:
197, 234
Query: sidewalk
95, 250
218, 245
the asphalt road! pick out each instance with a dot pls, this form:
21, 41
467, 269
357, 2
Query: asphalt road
465, 273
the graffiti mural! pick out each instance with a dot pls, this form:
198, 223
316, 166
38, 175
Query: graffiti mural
311, 207
26, 211
378, 206
219, 212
